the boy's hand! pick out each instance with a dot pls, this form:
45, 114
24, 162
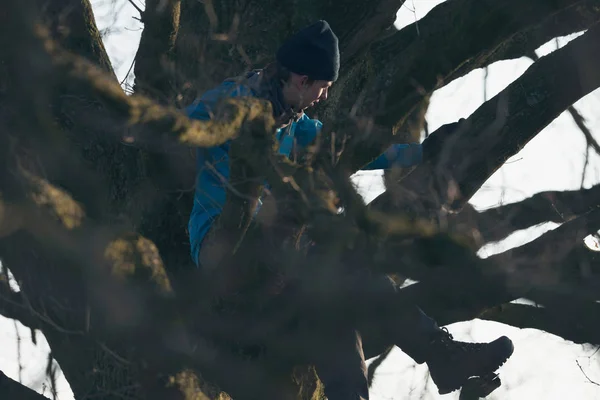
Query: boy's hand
434, 143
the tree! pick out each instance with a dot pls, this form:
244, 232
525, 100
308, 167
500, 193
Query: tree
95, 184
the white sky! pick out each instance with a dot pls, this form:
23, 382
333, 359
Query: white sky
543, 366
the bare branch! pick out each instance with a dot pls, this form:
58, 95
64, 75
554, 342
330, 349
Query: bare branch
139, 10
586, 376
580, 122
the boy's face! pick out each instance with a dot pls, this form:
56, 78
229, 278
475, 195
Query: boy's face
305, 93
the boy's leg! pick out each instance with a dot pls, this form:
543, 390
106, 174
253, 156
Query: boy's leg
340, 365
451, 363
336, 354
311, 337
390, 322
214, 247
215, 261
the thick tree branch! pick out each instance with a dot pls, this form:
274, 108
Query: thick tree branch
579, 121
579, 324
463, 18
573, 320
370, 25
576, 328
407, 73
156, 126
539, 267
148, 122
149, 317
576, 18
504, 124
53, 218
10, 389
125, 266
72, 24
531, 103
98, 121
376, 364
497, 223
215, 41
555, 245
539, 271
153, 64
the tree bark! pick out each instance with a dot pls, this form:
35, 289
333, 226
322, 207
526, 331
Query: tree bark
504, 124
72, 24
578, 17
514, 106
574, 328
153, 60
497, 223
403, 70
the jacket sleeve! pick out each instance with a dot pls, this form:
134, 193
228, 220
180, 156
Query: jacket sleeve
400, 155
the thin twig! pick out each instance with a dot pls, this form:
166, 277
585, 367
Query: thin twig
416, 19
18, 351
51, 374
226, 182
115, 355
485, 80
578, 118
584, 374
137, 8
585, 165
580, 122
128, 72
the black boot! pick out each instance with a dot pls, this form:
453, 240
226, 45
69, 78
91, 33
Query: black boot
451, 363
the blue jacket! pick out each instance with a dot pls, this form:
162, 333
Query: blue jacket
213, 165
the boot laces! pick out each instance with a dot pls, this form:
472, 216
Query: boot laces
446, 339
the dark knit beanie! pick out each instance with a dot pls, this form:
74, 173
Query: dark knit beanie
313, 52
